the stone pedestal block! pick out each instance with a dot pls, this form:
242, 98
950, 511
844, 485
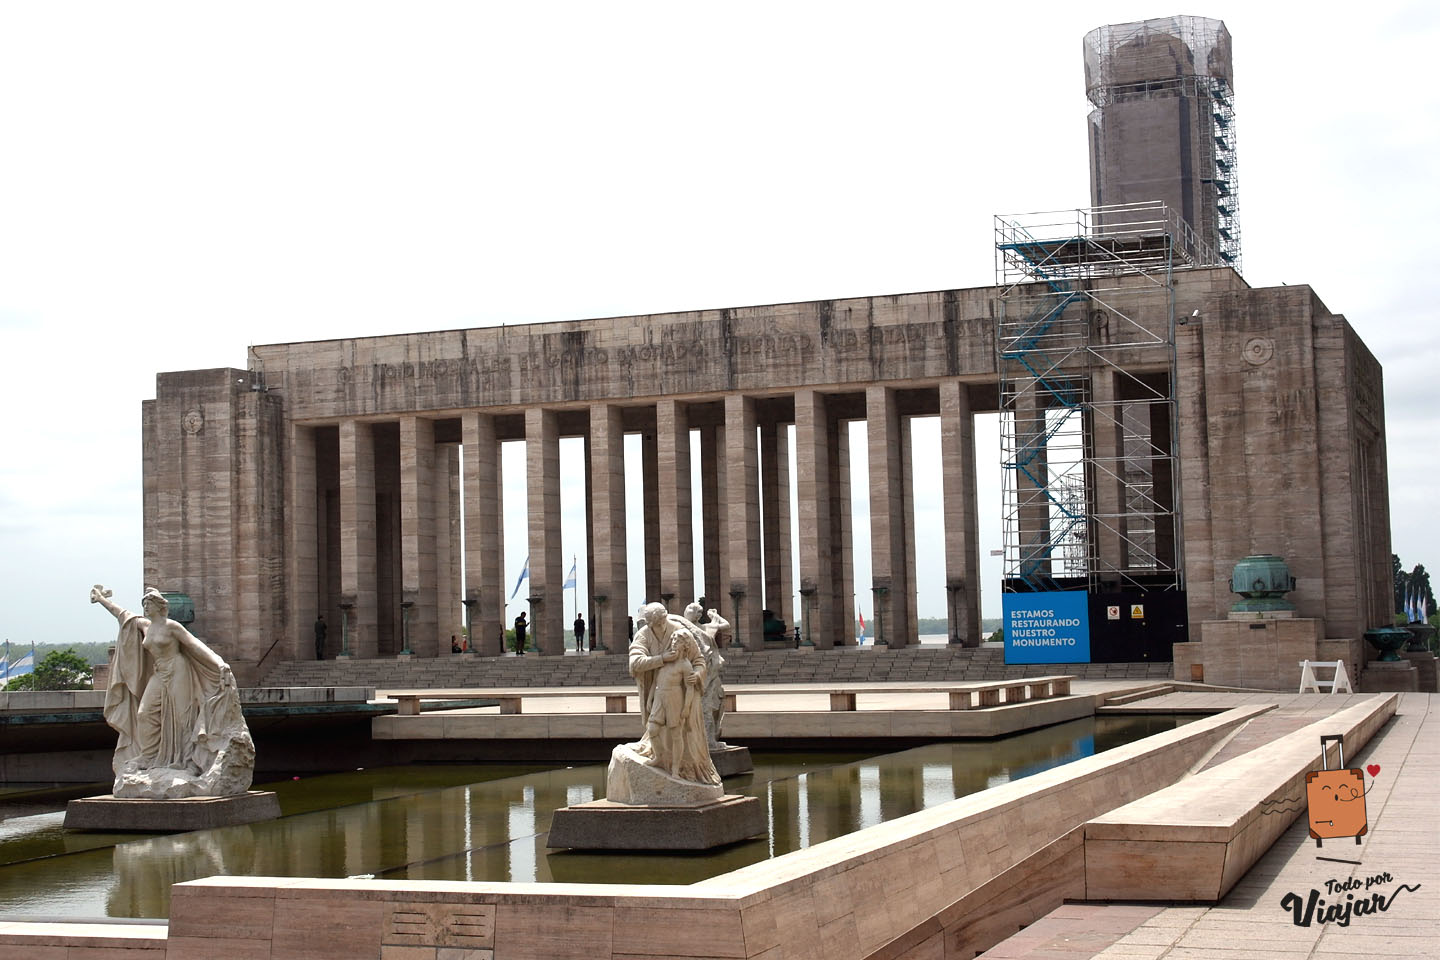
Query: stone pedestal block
1426, 669
1263, 653
606, 825
1188, 660
120, 815
731, 761
1383, 677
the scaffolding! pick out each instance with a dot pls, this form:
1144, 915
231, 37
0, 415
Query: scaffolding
1171, 57
1085, 344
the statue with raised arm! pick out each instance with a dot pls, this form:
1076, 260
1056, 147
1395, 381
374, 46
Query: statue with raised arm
714, 698
176, 708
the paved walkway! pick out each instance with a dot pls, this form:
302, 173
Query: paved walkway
1400, 858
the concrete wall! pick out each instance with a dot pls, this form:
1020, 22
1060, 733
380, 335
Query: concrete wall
214, 509
1281, 451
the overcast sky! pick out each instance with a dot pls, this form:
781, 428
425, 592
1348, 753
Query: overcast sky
179, 181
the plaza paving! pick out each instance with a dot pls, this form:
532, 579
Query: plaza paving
1253, 922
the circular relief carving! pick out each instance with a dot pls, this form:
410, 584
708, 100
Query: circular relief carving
192, 422
1258, 350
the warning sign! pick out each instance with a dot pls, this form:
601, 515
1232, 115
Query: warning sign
1137, 611
1112, 613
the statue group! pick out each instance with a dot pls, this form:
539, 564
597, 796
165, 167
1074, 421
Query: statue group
176, 708
676, 663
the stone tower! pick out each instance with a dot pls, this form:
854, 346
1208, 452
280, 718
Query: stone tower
1163, 124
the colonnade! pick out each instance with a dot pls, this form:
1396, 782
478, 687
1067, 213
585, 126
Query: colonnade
376, 536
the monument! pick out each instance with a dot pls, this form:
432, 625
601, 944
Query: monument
709, 626
663, 791
184, 757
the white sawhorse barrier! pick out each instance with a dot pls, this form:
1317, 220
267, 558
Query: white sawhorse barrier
1312, 684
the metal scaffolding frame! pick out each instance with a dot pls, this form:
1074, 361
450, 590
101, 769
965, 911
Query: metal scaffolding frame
1087, 373
1181, 56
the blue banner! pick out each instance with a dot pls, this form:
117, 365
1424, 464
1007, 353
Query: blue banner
1047, 627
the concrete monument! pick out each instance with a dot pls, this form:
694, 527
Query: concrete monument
670, 675
728, 760
663, 791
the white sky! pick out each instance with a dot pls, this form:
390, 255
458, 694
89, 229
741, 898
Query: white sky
178, 181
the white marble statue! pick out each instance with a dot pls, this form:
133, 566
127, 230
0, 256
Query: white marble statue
176, 708
669, 670
714, 697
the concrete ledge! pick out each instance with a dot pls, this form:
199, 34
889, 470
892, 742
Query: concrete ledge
82, 941
1194, 840
115, 814
742, 727
62, 701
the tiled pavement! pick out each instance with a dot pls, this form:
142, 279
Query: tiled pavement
1251, 922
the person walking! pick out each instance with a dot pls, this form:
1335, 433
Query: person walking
320, 631
579, 633
520, 627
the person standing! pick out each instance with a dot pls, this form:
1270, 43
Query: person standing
320, 631
520, 627
579, 633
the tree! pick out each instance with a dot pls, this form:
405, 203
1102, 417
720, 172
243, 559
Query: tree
1418, 582
1402, 581
60, 670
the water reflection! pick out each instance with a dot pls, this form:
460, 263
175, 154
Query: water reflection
488, 823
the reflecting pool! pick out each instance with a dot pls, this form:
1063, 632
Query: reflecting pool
489, 822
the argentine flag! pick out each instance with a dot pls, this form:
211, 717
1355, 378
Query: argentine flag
523, 574
570, 580
24, 665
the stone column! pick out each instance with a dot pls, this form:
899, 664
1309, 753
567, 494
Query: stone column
712, 514
588, 609
1107, 477
775, 491
303, 598
842, 566
547, 560
743, 520
417, 536
448, 590
484, 535
357, 537
1162, 485
907, 492
677, 542
962, 528
650, 496
888, 535
610, 588
820, 611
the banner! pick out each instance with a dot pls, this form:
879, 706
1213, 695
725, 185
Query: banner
1047, 627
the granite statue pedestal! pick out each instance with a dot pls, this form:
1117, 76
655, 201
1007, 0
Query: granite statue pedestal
607, 825
648, 809
130, 815
731, 761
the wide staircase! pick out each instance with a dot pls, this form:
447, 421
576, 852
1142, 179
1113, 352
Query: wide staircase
923, 664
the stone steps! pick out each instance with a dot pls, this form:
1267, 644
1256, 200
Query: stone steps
849, 665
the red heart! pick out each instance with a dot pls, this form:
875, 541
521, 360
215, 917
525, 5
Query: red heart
1373, 769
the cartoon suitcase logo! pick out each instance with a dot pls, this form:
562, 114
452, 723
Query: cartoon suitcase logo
1336, 798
